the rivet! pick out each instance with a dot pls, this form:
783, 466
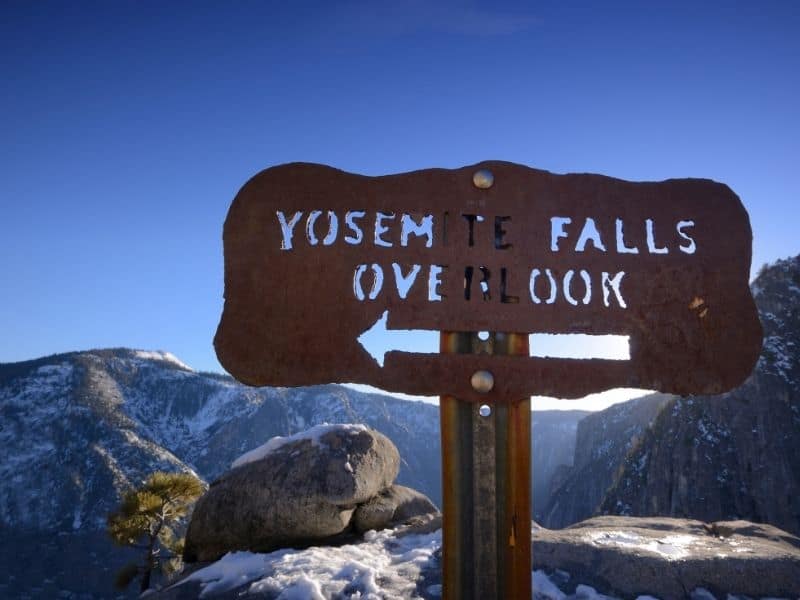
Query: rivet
482, 381
483, 179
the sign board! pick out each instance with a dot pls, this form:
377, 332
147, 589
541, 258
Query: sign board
315, 257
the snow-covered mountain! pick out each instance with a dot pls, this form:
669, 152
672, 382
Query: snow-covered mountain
77, 429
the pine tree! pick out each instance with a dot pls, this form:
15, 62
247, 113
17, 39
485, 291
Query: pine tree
147, 518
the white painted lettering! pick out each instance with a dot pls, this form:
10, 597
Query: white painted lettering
567, 293
691, 246
532, 286
409, 227
621, 247
350, 220
587, 282
553, 287
358, 291
404, 282
610, 284
434, 282
333, 229
312, 219
557, 231
651, 240
377, 282
380, 228
287, 228
589, 233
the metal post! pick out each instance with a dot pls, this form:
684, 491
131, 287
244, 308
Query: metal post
486, 534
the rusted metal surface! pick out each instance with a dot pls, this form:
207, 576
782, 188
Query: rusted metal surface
293, 316
486, 485
455, 418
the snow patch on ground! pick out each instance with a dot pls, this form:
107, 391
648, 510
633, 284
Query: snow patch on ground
382, 566
544, 589
314, 434
232, 570
671, 546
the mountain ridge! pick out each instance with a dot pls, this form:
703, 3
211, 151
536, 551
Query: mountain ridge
78, 428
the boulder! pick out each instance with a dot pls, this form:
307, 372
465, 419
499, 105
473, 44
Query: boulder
392, 506
671, 558
292, 491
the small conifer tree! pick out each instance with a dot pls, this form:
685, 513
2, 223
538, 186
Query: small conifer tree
146, 519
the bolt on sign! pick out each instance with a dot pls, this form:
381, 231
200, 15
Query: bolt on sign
315, 257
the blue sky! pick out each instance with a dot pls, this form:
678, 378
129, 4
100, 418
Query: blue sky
128, 127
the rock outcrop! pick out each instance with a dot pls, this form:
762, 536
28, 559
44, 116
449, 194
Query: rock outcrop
603, 441
672, 558
552, 451
300, 490
394, 505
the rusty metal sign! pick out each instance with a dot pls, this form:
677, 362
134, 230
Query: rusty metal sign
315, 257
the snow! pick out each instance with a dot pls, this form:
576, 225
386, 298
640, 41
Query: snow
302, 589
382, 566
162, 356
642, 462
710, 432
435, 589
544, 588
314, 434
776, 356
155, 451
587, 592
218, 405
233, 569
671, 546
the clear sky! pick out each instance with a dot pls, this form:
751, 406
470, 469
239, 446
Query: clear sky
126, 128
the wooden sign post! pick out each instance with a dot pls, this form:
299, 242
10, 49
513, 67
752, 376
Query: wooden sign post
316, 259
